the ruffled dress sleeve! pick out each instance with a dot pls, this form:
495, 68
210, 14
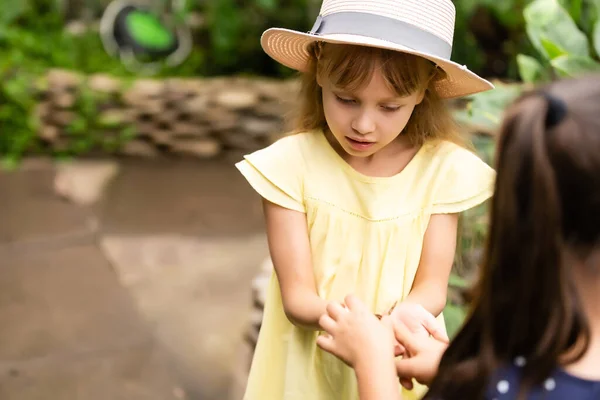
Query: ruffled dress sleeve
277, 173
466, 182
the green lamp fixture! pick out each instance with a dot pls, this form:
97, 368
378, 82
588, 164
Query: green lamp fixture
144, 41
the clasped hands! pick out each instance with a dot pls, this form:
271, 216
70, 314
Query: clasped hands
356, 336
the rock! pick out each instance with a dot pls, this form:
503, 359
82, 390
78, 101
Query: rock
62, 118
114, 117
64, 79
167, 117
179, 87
189, 130
203, 148
143, 128
49, 133
161, 137
42, 110
148, 88
260, 127
237, 99
64, 99
220, 119
195, 105
231, 113
150, 106
104, 84
83, 182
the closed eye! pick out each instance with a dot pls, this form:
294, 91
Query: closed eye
391, 108
344, 100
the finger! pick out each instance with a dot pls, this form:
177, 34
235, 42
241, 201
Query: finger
326, 343
355, 304
407, 383
327, 323
335, 310
407, 368
405, 337
399, 350
435, 329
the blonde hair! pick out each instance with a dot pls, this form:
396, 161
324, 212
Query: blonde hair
351, 67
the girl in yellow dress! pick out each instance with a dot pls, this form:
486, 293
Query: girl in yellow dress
364, 198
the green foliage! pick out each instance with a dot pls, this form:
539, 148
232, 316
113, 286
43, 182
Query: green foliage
485, 111
454, 316
17, 123
565, 42
566, 37
545, 39
90, 130
234, 28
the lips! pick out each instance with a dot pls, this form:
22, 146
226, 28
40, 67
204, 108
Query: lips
359, 145
360, 141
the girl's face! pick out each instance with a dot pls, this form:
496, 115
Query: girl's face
367, 120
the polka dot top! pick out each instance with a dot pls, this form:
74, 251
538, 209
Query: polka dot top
559, 386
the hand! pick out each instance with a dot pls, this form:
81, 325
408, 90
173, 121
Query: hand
355, 335
418, 321
424, 355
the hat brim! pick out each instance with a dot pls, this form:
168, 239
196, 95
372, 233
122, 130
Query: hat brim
290, 48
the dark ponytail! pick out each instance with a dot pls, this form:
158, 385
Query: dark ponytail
526, 304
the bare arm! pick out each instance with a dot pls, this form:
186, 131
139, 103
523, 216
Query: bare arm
364, 343
378, 379
439, 246
287, 234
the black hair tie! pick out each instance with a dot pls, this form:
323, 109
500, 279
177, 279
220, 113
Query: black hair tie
557, 110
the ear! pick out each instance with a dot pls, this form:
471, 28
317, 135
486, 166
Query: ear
421, 96
319, 79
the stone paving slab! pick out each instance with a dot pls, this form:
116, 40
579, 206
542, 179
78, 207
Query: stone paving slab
132, 373
63, 301
186, 197
70, 331
196, 293
31, 211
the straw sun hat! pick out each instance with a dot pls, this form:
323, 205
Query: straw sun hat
421, 27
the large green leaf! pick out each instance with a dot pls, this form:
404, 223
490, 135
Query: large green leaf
548, 21
572, 66
596, 37
574, 7
551, 48
530, 69
485, 110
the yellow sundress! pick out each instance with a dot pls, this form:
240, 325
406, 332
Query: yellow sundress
366, 235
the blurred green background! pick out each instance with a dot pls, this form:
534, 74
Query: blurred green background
515, 43
510, 40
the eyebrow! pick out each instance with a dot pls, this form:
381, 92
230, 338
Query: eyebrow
386, 100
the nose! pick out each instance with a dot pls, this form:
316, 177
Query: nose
363, 123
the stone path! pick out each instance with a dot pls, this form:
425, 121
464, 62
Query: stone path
134, 283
